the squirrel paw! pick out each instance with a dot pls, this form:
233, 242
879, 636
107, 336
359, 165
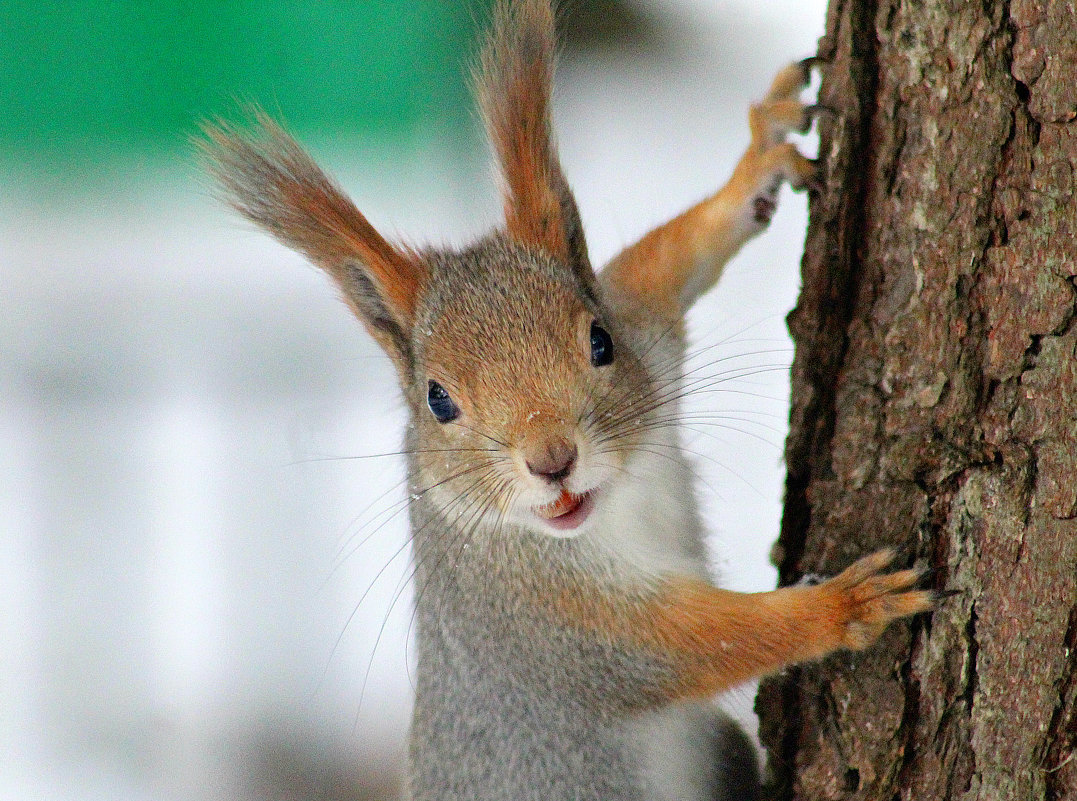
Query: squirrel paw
869, 600
781, 111
771, 160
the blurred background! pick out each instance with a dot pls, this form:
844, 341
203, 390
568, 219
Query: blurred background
204, 584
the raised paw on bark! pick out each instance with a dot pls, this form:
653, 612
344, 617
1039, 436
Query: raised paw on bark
869, 600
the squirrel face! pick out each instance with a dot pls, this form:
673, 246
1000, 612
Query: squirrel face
519, 372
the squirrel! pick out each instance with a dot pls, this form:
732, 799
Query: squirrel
569, 638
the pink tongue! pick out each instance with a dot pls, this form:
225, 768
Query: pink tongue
564, 504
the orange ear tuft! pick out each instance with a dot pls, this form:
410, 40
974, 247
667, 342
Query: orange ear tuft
268, 178
514, 85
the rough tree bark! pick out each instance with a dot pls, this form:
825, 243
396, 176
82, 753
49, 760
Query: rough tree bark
935, 404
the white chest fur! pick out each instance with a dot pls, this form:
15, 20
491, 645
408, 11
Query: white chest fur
650, 526
648, 522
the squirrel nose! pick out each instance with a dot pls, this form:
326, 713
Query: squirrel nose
554, 459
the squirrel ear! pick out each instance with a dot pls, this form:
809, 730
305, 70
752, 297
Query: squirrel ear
268, 178
514, 84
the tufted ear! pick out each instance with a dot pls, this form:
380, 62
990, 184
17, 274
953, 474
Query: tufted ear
514, 84
268, 178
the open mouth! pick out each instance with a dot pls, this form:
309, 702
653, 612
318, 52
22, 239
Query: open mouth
568, 511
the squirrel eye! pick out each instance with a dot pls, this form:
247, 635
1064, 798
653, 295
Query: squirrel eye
440, 403
601, 346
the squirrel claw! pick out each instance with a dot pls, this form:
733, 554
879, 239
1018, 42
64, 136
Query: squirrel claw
810, 63
940, 595
814, 112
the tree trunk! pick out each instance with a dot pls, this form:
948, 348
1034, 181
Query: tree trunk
935, 404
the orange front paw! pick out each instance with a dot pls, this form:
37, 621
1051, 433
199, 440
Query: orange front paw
868, 600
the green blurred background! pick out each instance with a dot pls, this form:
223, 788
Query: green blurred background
91, 80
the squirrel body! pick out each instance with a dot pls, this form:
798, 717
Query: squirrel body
546, 725
569, 639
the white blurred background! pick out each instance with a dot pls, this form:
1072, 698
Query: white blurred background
195, 573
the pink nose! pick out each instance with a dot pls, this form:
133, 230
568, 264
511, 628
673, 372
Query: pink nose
552, 459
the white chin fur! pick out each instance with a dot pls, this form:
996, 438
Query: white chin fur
559, 534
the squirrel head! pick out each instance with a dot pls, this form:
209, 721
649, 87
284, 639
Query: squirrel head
513, 369
522, 384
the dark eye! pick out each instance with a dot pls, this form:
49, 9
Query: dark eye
441, 404
601, 346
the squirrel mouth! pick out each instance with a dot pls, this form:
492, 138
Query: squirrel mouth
568, 511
